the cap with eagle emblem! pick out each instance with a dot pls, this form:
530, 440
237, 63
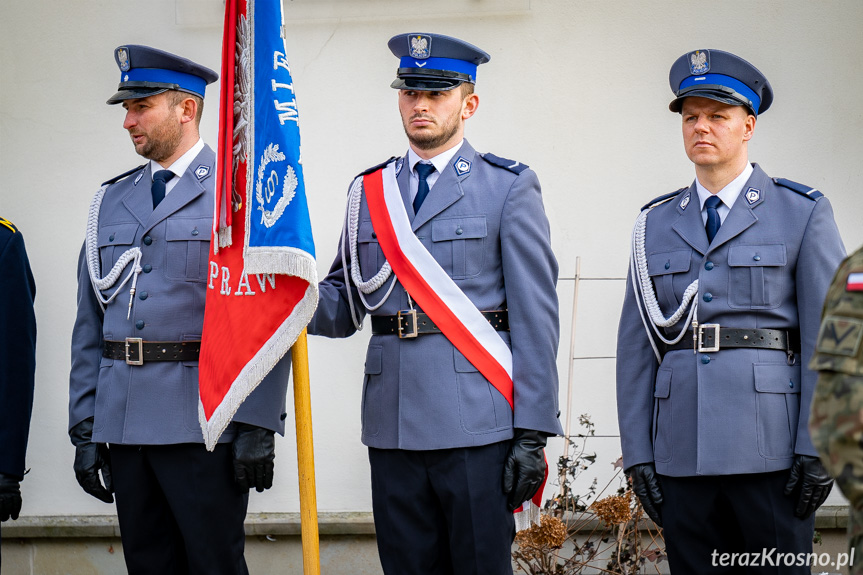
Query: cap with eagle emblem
434, 62
720, 76
146, 71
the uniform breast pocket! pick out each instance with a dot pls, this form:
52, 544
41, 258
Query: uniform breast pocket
113, 242
458, 245
369, 251
188, 248
757, 276
669, 272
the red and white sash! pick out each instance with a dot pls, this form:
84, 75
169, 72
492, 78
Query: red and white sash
439, 296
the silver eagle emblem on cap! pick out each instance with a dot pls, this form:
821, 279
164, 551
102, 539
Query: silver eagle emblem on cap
699, 62
123, 59
420, 46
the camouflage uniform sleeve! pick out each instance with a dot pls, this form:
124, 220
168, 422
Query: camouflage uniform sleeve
836, 420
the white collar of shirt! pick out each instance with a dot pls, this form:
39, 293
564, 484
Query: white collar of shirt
728, 194
440, 162
180, 166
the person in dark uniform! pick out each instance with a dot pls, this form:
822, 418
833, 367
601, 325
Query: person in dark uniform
455, 444
719, 324
17, 364
133, 390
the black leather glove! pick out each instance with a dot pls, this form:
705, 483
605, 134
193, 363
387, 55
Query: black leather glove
645, 484
10, 497
254, 452
814, 483
524, 469
90, 459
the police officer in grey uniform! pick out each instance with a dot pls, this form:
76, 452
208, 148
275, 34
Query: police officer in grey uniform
719, 323
133, 391
450, 459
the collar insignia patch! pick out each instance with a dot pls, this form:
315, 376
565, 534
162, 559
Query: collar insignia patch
753, 195
461, 166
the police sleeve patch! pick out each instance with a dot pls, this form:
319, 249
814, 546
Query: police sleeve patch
662, 199
511, 165
811, 193
116, 179
374, 169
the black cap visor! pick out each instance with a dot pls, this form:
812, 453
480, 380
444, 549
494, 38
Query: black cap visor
428, 80
713, 92
132, 90
424, 84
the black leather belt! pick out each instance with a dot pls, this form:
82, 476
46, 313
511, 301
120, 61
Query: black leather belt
411, 323
711, 337
136, 351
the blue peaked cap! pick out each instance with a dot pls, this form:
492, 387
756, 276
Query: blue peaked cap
146, 71
720, 76
434, 62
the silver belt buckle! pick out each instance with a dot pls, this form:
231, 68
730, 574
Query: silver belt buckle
715, 346
411, 315
140, 343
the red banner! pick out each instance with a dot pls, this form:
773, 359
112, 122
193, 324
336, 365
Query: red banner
262, 286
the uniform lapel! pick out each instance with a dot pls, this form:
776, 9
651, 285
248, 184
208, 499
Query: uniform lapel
187, 189
139, 200
447, 189
688, 224
742, 215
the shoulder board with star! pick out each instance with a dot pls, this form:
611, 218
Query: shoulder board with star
4, 223
662, 199
374, 169
811, 193
116, 179
511, 165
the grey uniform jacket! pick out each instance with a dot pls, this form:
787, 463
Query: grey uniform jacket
736, 410
155, 403
486, 227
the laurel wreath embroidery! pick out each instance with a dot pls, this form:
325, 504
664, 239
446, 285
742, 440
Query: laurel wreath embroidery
289, 186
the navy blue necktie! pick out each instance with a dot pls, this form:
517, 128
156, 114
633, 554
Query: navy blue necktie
423, 171
160, 179
713, 221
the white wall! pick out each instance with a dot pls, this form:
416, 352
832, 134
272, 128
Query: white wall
576, 89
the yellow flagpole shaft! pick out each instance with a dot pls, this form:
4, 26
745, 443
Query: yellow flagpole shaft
305, 457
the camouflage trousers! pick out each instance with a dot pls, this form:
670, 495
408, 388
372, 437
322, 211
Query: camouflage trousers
855, 541
836, 426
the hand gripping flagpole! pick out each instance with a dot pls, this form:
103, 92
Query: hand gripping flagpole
305, 457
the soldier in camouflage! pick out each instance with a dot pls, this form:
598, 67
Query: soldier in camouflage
836, 422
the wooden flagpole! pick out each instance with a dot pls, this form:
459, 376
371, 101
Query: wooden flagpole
305, 456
